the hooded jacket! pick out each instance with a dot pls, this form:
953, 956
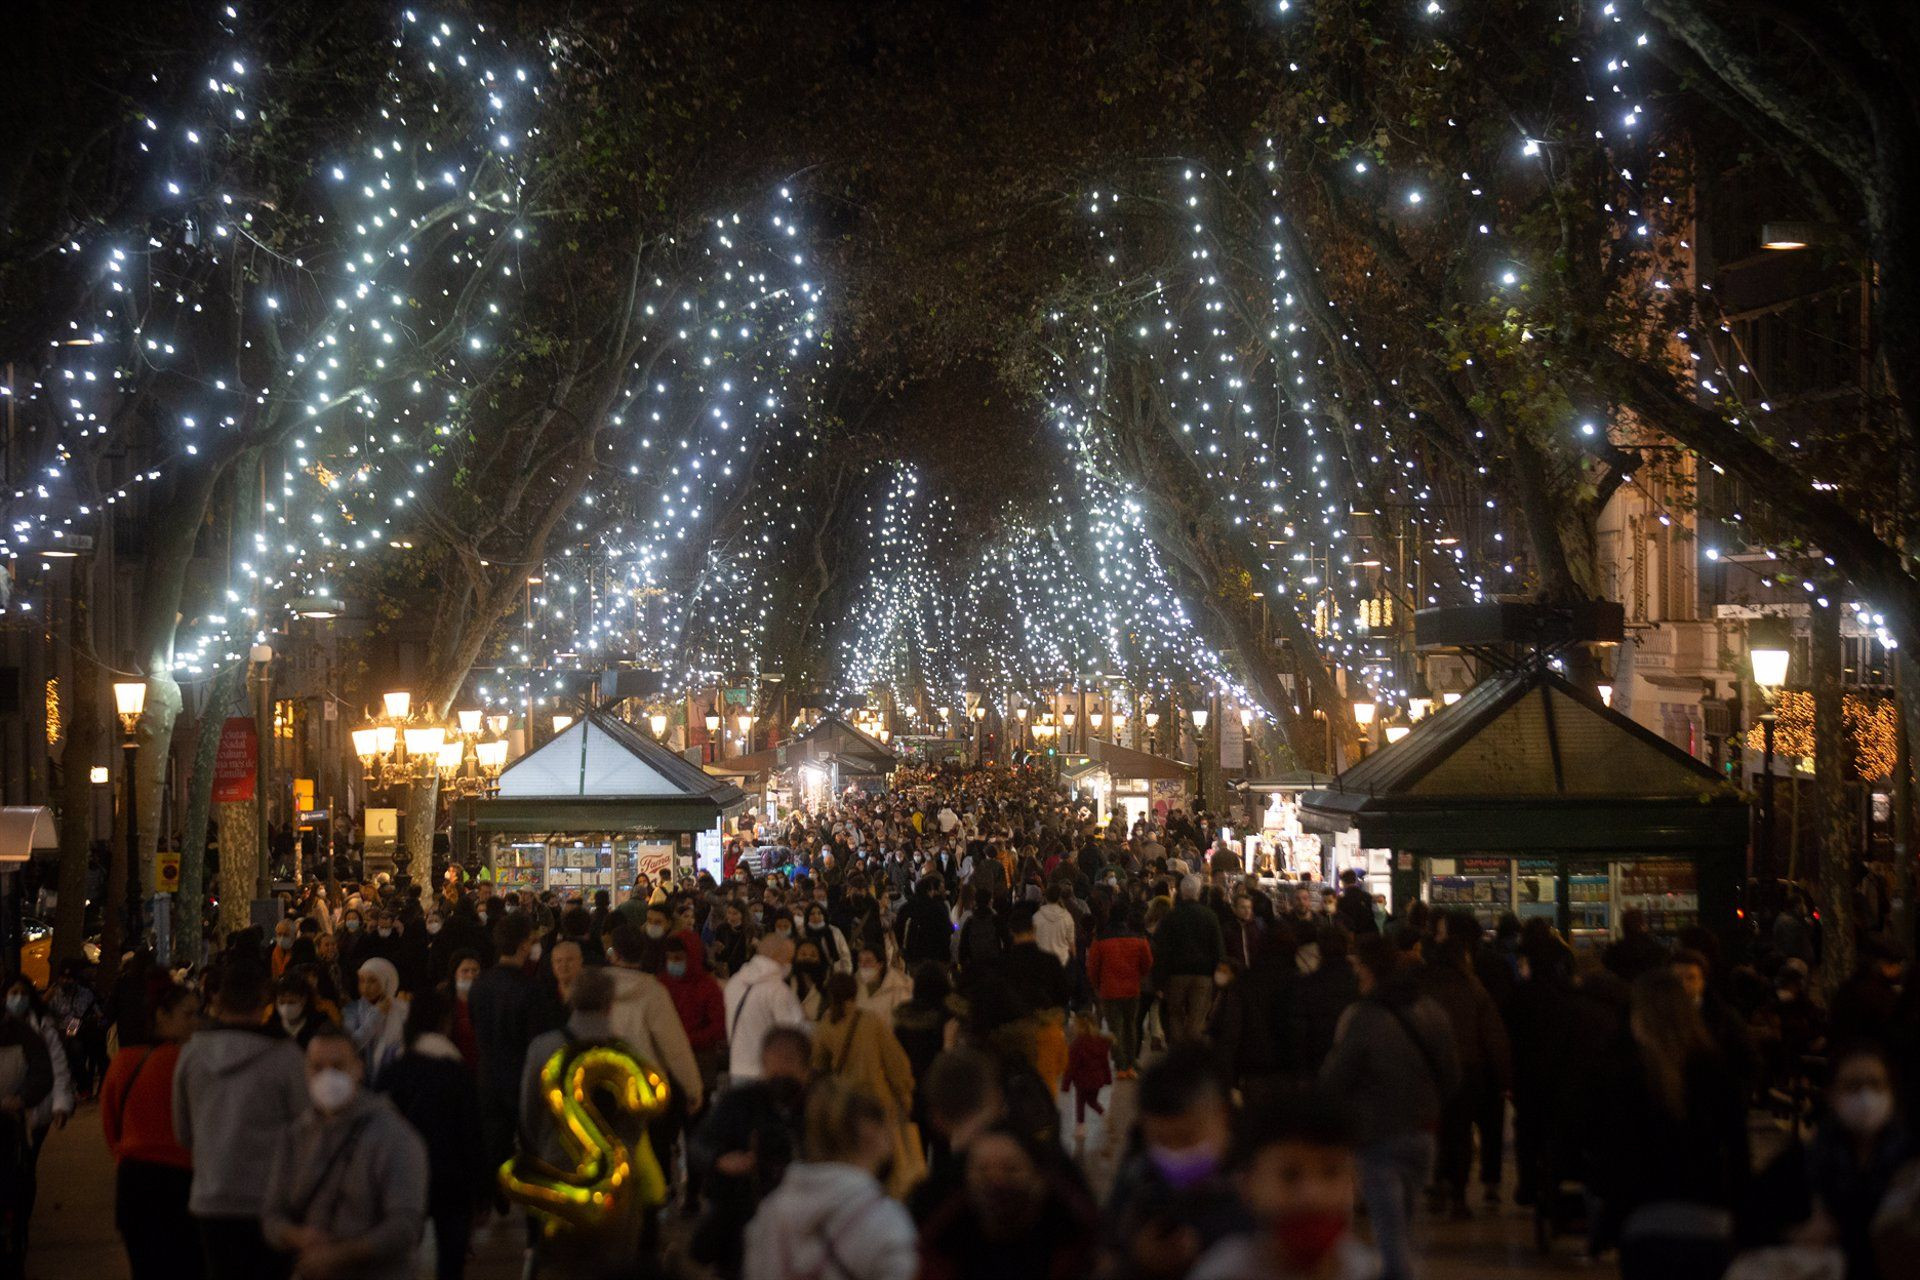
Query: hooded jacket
757, 1000
360, 1176
831, 1220
234, 1090
644, 1017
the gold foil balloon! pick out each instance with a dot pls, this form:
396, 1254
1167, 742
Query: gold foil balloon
613, 1181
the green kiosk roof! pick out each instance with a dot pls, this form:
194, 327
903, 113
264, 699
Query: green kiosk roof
1527, 762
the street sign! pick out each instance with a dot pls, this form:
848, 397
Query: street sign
234, 762
166, 872
307, 817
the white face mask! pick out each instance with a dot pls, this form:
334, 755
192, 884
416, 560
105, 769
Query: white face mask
656, 931
331, 1089
1864, 1111
535, 953
869, 974
463, 985
291, 1015
434, 926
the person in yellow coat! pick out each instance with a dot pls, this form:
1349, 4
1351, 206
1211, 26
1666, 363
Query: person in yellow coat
859, 1048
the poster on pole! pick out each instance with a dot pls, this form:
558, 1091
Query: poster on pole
234, 761
1233, 743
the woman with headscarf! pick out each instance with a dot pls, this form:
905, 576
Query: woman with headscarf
377, 1021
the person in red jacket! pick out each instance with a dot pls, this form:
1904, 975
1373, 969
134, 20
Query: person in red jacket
1088, 1071
1119, 960
701, 1004
153, 1172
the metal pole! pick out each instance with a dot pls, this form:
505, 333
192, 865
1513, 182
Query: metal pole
1767, 867
134, 926
263, 735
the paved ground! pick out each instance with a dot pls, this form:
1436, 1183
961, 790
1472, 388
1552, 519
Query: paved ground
73, 1231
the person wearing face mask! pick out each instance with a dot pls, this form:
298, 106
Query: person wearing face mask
346, 1191
701, 1007
294, 1009
1170, 1200
466, 970
831, 942
280, 954
236, 1086
352, 941
1294, 1167
882, 988
1846, 1170
152, 1172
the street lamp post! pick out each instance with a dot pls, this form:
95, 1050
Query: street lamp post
1769, 653
130, 701
1363, 712
1200, 716
261, 659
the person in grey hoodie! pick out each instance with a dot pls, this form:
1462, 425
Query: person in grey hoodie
347, 1191
1394, 1062
237, 1085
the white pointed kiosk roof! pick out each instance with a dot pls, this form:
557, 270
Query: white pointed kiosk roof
601, 774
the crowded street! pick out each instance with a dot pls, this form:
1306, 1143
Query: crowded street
912, 640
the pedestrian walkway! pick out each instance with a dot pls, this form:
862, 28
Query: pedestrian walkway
73, 1231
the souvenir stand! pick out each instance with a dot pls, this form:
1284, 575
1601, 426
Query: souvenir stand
598, 804
1276, 843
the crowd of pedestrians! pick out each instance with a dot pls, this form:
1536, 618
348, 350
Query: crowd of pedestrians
883, 1028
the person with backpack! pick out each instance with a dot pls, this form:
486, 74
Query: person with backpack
830, 1219
153, 1173
1395, 1064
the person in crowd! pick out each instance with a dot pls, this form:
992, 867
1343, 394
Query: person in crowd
732, 941
642, 1016
1022, 1214
346, 1187
1480, 1041
1636, 950
1833, 1189
1053, 926
26, 1080
1395, 1064
925, 927
509, 1007
1354, 906
1089, 1069
808, 979
433, 1088
1293, 1162
153, 1174
237, 1085
1171, 1200
962, 1099
881, 988
830, 1215
1671, 1133
1241, 932
924, 1025
1118, 962
23, 1003
377, 1020
465, 972
701, 1006
1187, 950
296, 1009
859, 1048
757, 1000
740, 1153
827, 939
565, 960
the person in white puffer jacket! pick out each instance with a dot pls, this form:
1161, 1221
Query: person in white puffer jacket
830, 1216
757, 1000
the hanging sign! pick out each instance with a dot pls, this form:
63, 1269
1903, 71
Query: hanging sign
235, 761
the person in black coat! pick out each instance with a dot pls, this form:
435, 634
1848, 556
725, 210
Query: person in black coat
1354, 908
925, 928
1319, 998
742, 1149
509, 1006
433, 1089
1253, 1025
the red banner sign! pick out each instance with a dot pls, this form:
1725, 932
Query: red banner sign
234, 764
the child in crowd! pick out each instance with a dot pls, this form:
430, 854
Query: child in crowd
1089, 1069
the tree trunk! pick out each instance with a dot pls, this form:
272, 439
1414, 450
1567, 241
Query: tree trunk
190, 928
1835, 821
239, 864
1903, 815
84, 710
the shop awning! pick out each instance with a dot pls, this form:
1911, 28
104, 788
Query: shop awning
600, 774
23, 829
751, 765
1287, 783
1525, 761
1125, 762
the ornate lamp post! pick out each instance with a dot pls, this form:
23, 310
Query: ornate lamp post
1769, 653
1364, 709
130, 701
